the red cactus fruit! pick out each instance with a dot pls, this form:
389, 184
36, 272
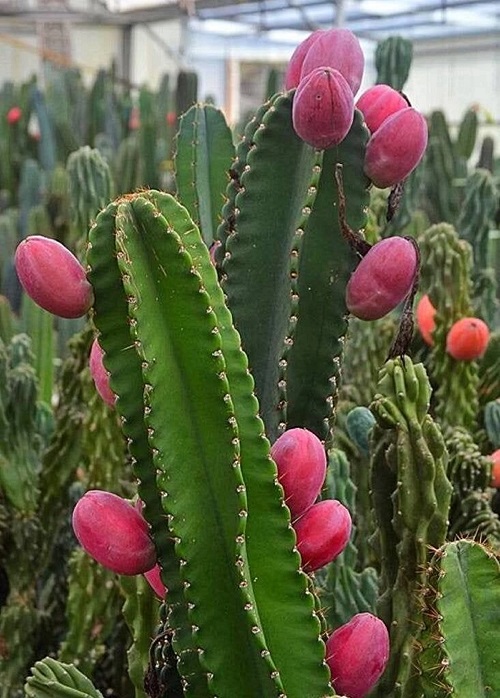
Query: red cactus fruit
357, 654
495, 471
425, 314
153, 578
53, 277
339, 49
113, 532
301, 461
14, 115
294, 68
322, 533
323, 108
378, 103
467, 339
382, 279
100, 375
396, 148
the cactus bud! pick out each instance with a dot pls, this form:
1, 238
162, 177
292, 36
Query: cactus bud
382, 279
100, 375
301, 461
378, 103
339, 49
323, 532
114, 533
294, 68
357, 654
153, 578
396, 148
323, 108
467, 339
53, 277
424, 315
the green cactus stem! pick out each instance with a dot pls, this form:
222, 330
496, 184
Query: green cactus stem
52, 679
393, 58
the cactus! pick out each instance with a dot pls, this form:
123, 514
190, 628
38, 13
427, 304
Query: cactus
393, 58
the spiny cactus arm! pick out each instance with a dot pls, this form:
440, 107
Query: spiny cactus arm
53, 679
204, 155
278, 186
325, 263
270, 540
112, 321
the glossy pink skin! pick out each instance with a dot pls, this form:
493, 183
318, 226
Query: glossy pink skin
357, 654
339, 49
100, 375
301, 461
396, 148
113, 532
378, 103
382, 279
323, 108
323, 532
53, 277
294, 68
153, 578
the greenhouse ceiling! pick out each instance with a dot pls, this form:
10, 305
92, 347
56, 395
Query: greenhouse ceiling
369, 19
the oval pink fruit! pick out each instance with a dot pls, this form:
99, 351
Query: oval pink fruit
301, 461
382, 279
396, 148
378, 103
113, 532
357, 654
323, 108
53, 277
100, 375
322, 533
339, 49
294, 68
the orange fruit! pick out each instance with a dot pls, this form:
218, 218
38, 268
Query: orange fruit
467, 339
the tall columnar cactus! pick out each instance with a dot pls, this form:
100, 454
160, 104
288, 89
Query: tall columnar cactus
393, 58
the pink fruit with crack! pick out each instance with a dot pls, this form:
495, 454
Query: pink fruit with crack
357, 654
339, 49
100, 375
114, 533
53, 277
382, 279
301, 461
294, 68
378, 103
322, 533
396, 148
323, 108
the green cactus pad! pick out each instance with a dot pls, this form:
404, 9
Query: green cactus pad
53, 679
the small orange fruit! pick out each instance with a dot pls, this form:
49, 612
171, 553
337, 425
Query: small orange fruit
467, 339
426, 323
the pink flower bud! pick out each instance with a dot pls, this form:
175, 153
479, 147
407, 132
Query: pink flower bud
14, 115
301, 461
323, 108
339, 49
396, 148
113, 532
294, 69
382, 279
357, 654
100, 374
53, 277
378, 103
153, 578
323, 532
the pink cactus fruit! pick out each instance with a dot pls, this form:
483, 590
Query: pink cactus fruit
153, 578
378, 103
323, 532
382, 279
301, 461
339, 49
294, 68
396, 147
100, 375
114, 533
53, 277
323, 108
14, 115
357, 654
